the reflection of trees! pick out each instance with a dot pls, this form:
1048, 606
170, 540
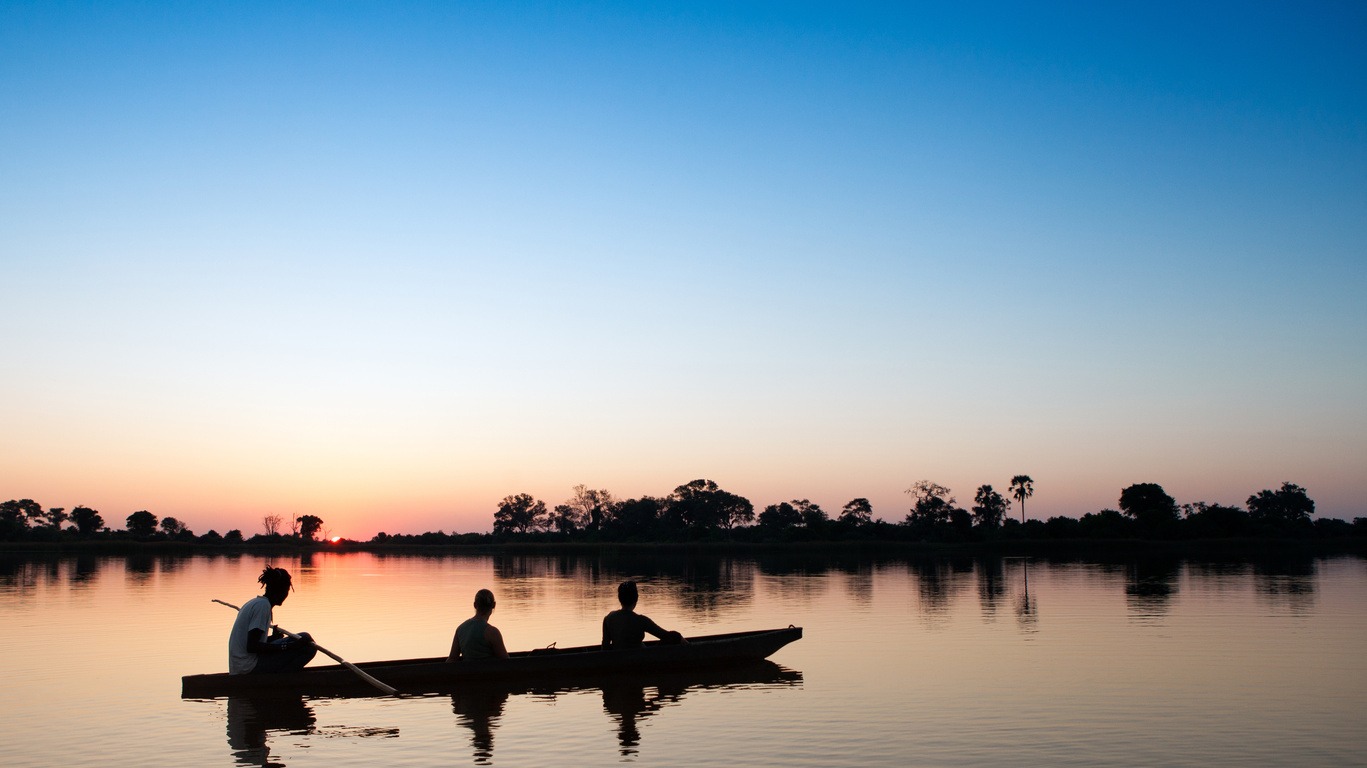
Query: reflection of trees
1149, 585
252, 719
1027, 612
138, 569
991, 583
938, 579
479, 708
86, 568
1287, 581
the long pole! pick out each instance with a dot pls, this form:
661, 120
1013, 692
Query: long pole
359, 672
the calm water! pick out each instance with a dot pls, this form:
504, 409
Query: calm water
905, 662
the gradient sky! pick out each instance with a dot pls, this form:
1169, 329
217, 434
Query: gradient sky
387, 263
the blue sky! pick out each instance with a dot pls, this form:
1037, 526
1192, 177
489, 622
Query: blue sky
391, 262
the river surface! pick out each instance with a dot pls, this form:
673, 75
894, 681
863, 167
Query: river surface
904, 662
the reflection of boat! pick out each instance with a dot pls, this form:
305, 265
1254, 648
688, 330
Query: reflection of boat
629, 698
547, 664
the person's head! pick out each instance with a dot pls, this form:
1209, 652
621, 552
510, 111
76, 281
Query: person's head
484, 601
277, 583
627, 594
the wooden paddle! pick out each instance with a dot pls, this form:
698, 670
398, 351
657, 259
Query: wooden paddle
359, 672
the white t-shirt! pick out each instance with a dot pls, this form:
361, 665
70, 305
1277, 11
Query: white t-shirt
256, 614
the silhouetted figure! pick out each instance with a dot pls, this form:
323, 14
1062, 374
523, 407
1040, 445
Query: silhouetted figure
476, 638
254, 645
625, 628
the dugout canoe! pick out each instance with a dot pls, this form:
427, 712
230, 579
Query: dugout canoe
436, 675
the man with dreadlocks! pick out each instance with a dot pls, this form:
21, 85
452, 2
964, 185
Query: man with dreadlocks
250, 650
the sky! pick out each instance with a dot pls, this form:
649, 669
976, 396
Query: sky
388, 263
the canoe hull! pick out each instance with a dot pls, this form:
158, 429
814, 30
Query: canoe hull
435, 674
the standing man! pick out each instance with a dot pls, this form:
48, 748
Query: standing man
252, 646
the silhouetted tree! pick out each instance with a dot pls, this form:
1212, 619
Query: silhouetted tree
233, 537
933, 504
14, 517
813, 516
1287, 506
635, 518
172, 527
1022, 488
141, 524
780, 517
309, 525
857, 512
702, 505
586, 509
271, 524
520, 514
1202, 520
1106, 524
989, 508
1149, 506
56, 516
88, 521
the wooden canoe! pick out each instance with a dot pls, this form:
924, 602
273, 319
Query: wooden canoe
436, 674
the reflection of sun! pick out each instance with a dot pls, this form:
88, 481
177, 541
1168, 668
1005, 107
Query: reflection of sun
335, 539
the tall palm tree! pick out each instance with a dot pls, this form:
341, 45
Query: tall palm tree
1022, 487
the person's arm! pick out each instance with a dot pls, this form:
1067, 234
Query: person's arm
607, 639
455, 648
257, 643
495, 640
661, 632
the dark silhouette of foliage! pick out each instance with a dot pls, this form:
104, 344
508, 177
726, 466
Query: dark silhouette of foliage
1021, 488
172, 527
989, 508
813, 516
932, 506
88, 521
702, 506
1286, 507
309, 526
1106, 524
857, 512
636, 518
141, 524
1150, 507
520, 514
1210, 521
780, 517
587, 510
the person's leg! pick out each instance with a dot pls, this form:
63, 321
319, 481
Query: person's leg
293, 658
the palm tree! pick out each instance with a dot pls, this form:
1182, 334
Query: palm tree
1022, 487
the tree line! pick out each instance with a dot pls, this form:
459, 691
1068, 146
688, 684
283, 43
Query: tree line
27, 520
703, 511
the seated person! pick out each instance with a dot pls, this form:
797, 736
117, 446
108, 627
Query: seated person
250, 651
627, 629
476, 638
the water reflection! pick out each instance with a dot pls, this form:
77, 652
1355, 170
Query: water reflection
1149, 586
1027, 612
1287, 582
628, 700
252, 719
479, 709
